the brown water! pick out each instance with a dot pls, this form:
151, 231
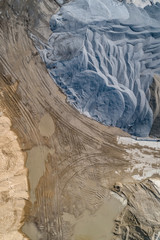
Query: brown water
31, 231
37, 157
98, 226
46, 125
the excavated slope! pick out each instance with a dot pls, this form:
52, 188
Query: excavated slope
72, 161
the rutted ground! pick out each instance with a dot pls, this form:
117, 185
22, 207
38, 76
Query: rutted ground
73, 162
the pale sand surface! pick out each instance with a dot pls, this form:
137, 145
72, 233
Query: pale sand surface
13, 183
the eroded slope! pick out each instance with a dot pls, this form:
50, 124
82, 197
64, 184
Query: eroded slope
103, 55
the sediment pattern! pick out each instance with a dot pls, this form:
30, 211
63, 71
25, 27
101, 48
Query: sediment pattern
155, 105
103, 55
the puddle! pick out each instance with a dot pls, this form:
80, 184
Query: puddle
31, 231
98, 226
36, 166
46, 126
